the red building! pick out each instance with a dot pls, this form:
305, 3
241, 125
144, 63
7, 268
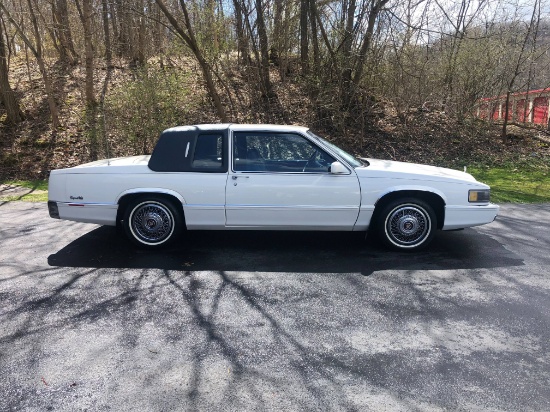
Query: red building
525, 107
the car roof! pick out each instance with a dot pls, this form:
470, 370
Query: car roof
240, 127
267, 127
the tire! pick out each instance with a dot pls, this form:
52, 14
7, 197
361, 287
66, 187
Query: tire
152, 222
407, 224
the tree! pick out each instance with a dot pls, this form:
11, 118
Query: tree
86, 16
106, 32
7, 97
366, 41
187, 35
37, 52
242, 39
304, 42
530, 33
267, 89
62, 30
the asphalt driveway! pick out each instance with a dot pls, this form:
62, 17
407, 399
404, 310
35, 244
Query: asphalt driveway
273, 321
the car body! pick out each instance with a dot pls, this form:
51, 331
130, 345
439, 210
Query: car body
265, 177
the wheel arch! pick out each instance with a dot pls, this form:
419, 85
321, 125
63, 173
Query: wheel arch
435, 200
129, 196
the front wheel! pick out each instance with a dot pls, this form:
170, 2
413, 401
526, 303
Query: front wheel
152, 222
407, 224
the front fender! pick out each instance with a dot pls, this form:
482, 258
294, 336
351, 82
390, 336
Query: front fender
415, 188
372, 191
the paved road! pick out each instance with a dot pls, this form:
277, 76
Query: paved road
273, 321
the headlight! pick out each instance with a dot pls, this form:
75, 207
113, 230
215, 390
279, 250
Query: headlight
479, 195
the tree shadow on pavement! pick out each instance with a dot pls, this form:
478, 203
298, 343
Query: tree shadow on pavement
291, 338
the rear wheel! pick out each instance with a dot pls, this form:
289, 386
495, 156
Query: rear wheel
407, 224
152, 222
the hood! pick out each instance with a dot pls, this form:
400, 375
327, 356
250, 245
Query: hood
400, 170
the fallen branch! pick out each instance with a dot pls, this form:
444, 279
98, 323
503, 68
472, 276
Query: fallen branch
527, 127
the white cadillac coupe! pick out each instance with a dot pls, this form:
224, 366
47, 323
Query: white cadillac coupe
266, 177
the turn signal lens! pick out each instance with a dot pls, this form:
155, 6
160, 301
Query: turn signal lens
479, 196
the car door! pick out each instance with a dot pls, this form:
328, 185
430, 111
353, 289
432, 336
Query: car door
282, 180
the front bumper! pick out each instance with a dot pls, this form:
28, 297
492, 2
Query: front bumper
459, 217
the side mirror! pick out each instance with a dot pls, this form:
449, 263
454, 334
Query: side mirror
338, 168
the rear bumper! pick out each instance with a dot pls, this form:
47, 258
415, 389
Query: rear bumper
99, 213
459, 217
53, 209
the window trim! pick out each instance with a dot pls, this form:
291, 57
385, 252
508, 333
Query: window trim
338, 152
269, 132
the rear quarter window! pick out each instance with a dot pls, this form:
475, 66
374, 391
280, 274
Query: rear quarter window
209, 153
190, 150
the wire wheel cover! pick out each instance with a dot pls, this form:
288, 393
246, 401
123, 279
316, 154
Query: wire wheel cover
152, 222
408, 225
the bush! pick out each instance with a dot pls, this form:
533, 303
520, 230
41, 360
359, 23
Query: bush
137, 111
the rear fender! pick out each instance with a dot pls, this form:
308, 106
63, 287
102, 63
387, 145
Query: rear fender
148, 190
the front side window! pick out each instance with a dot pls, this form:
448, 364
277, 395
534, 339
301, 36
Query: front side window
278, 152
209, 153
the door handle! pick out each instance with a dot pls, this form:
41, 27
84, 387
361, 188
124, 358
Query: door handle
234, 177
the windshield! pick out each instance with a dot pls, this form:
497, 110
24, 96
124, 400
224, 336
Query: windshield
352, 160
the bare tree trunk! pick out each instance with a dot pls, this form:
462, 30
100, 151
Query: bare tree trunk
347, 42
374, 12
326, 41
314, 35
264, 53
533, 25
106, 33
130, 28
140, 51
158, 35
191, 42
505, 122
304, 41
528, 111
47, 26
115, 25
86, 18
124, 39
347, 61
278, 7
42, 66
62, 30
7, 97
253, 43
242, 40
37, 52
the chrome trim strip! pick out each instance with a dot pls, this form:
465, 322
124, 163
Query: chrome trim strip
311, 207
106, 205
488, 206
203, 206
266, 172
